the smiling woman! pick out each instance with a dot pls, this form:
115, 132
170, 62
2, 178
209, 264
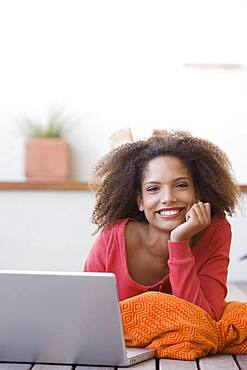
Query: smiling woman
167, 193
163, 209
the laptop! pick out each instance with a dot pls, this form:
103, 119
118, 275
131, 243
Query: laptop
63, 318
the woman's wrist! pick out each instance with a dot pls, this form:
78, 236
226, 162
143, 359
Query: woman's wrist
179, 250
178, 237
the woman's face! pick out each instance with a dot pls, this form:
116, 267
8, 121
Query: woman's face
167, 193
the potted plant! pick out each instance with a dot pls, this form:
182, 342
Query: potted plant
46, 152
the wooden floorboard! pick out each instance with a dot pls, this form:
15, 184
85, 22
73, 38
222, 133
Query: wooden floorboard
218, 362
94, 368
241, 361
146, 365
7, 366
51, 367
169, 364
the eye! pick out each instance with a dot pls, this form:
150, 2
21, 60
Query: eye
152, 189
182, 185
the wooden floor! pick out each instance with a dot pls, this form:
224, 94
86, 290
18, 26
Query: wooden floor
236, 292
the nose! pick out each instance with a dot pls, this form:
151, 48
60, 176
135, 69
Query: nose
168, 196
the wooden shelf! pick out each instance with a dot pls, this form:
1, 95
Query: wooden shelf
69, 185
243, 188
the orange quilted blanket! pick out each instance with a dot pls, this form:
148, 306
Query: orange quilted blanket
181, 330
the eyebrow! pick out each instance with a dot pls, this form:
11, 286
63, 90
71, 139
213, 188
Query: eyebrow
176, 179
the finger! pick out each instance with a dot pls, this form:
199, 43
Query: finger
207, 212
208, 209
195, 212
188, 208
188, 213
204, 211
192, 215
201, 213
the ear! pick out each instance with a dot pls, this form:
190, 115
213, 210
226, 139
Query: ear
139, 202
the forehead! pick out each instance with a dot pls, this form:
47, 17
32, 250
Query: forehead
166, 165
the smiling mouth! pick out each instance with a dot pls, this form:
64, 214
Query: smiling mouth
170, 212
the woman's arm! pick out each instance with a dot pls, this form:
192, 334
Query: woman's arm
96, 259
207, 287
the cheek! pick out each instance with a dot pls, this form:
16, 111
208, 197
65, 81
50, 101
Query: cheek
188, 197
148, 202
193, 198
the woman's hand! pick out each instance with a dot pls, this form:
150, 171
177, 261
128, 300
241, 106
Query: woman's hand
198, 217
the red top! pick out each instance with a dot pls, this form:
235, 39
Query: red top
198, 275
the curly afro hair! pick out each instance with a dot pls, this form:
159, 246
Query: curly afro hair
117, 177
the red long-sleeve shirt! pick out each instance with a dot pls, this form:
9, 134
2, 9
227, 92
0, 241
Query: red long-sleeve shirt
198, 275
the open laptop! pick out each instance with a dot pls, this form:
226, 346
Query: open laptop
63, 318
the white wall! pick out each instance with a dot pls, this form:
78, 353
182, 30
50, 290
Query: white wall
238, 267
45, 230
114, 63
48, 230
111, 64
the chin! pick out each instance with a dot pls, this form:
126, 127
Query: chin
166, 225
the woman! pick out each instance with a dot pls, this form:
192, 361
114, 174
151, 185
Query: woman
161, 205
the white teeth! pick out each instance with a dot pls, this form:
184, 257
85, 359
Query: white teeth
171, 212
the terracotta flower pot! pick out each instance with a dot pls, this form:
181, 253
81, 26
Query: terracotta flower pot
47, 160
